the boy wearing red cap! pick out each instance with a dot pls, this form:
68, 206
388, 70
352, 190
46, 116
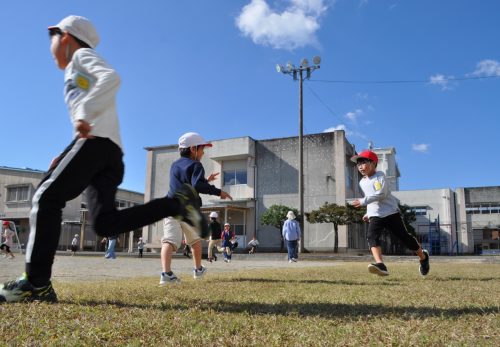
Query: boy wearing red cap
382, 212
93, 162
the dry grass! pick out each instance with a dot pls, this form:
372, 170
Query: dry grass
456, 305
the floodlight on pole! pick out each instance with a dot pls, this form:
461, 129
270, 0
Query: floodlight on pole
294, 71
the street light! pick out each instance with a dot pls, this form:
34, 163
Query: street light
294, 71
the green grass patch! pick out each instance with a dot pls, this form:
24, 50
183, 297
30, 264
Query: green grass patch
458, 304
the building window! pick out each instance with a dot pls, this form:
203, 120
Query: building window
235, 177
484, 208
120, 204
18, 193
419, 210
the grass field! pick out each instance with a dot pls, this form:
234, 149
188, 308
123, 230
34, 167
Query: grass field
458, 304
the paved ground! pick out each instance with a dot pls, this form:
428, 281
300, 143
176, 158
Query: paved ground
93, 266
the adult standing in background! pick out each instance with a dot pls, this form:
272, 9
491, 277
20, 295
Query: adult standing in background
291, 235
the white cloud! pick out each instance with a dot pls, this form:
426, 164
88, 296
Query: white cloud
442, 81
295, 27
422, 147
338, 127
487, 67
353, 115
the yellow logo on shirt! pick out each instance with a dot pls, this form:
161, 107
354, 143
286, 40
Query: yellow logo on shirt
82, 82
377, 185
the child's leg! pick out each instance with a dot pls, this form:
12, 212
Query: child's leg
375, 228
167, 249
106, 219
396, 225
64, 182
196, 250
171, 240
377, 254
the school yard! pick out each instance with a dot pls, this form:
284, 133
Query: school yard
261, 300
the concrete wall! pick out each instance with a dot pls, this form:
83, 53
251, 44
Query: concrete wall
325, 162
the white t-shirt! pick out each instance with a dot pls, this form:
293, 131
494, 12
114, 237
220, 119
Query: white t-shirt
90, 87
8, 235
378, 199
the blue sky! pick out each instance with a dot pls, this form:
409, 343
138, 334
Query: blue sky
209, 66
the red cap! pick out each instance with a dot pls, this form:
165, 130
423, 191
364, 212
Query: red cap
367, 155
6, 223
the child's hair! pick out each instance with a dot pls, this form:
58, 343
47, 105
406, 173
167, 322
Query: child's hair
186, 152
80, 42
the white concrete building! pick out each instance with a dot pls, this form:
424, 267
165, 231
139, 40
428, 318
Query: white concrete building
261, 173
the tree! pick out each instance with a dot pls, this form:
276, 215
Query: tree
276, 216
338, 215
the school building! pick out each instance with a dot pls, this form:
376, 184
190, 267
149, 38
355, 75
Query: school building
261, 173
17, 187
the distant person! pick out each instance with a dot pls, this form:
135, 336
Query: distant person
7, 243
227, 243
140, 246
253, 245
382, 212
187, 170
110, 252
93, 161
74, 245
215, 236
291, 235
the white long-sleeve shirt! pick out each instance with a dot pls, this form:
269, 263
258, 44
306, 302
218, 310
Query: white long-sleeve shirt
90, 87
378, 199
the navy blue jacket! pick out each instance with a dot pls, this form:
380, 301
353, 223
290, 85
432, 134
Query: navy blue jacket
186, 170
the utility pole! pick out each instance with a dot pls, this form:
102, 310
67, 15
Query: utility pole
290, 69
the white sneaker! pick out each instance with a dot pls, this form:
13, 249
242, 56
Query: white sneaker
198, 274
166, 279
290, 261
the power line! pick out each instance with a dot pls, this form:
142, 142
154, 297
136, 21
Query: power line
445, 79
323, 103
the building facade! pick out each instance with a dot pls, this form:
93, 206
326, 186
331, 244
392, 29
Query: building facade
17, 187
261, 173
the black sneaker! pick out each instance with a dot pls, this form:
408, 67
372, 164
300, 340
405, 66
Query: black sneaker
378, 269
190, 210
21, 290
424, 264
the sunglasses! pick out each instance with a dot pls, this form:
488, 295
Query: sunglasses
55, 31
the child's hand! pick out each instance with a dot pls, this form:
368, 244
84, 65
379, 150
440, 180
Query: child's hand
83, 129
356, 203
224, 195
53, 163
213, 176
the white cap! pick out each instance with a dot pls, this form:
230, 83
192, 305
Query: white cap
76, 235
79, 27
192, 139
290, 215
214, 215
227, 224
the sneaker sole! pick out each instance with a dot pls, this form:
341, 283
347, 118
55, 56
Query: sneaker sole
376, 271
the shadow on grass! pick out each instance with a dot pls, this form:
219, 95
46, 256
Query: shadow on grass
322, 310
304, 281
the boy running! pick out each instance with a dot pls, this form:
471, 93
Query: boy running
382, 212
187, 169
92, 161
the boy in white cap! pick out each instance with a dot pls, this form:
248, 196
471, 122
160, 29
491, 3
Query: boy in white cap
74, 245
382, 212
215, 236
187, 170
92, 161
